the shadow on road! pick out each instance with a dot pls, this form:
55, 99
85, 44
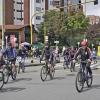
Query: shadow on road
31, 71
59, 78
96, 86
11, 89
71, 74
21, 79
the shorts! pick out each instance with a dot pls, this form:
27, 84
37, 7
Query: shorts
13, 61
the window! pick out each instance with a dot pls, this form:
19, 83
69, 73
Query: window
20, 19
42, 8
19, 2
51, 2
13, 1
38, 9
19, 10
38, 17
38, 1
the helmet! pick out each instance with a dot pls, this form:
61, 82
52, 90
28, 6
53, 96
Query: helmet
84, 43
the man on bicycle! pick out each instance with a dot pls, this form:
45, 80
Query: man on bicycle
46, 53
66, 55
10, 54
49, 55
22, 53
85, 55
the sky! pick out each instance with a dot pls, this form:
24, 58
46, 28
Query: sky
92, 9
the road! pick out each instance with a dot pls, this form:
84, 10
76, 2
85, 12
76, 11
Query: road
29, 86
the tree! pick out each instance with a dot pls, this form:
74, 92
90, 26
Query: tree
61, 25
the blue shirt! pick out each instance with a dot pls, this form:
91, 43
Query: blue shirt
10, 53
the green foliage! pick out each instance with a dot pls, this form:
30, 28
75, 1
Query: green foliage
61, 25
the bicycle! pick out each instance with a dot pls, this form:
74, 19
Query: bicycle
47, 69
82, 77
21, 64
1, 79
7, 71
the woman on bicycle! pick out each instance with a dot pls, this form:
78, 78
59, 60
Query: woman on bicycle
85, 55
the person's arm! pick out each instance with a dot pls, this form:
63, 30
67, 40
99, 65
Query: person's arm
90, 53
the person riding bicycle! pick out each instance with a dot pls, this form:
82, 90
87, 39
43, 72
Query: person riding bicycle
85, 55
22, 52
94, 55
46, 54
66, 55
10, 54
72, 53
49, 55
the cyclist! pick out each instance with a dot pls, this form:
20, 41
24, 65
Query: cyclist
22, 53
46, 53
94, 55
66, 55
72, 53
10, 54
85, 54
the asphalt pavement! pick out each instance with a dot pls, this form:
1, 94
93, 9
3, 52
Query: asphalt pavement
28, 86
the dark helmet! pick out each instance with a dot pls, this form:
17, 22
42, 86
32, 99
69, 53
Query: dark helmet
84, 43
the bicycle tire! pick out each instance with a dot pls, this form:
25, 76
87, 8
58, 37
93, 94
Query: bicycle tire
79, 79
6, 74
1, 80
52, 72
91, 80
14, 75
18, 69
45, 72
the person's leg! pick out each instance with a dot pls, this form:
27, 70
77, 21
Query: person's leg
89, 68
13, 65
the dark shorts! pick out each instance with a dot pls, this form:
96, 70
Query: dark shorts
13, 60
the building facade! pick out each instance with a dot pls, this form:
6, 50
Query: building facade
55, 4
14, 16
93, 19
37, 6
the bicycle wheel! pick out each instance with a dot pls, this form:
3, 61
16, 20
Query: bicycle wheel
6, 74
19, 66
1, 80
79, 83
72, 67
89, 80
52, 72
14, 75
23, 68
43, 73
